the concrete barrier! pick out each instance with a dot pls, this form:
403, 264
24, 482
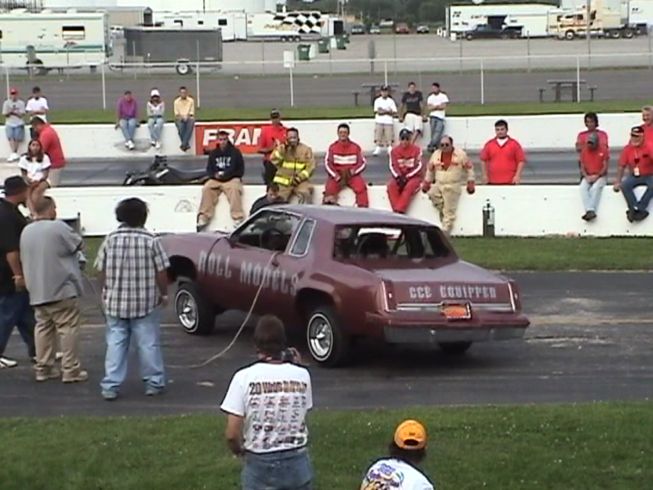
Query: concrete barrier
519, 210
553, 132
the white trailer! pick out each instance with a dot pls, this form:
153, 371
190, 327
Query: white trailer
293, 25
53, 40
531, 17
639, 14
233, 25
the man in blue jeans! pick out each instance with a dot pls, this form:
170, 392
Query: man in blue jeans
637, 158
15, 310
127, 118
436, 104
133, 267
266, 405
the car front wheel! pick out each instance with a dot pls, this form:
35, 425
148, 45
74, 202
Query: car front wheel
327, 342
193, 312
455, 348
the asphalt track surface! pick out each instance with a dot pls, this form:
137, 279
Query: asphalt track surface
334, 90
590, 340
542, 168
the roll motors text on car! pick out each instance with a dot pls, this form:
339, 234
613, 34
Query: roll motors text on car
341, 274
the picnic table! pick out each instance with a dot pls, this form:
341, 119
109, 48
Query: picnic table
375, 88
559, 86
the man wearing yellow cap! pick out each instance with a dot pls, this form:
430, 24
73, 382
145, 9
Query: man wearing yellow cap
399, 471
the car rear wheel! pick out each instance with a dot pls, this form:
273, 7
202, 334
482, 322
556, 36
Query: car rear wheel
327, 342
194, 312
570, 35
455, 348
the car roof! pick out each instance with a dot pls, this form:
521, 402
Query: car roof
345, 215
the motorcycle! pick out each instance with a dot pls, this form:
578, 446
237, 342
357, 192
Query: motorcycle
160, 173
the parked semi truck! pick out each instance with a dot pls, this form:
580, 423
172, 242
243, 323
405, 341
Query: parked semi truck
601, 21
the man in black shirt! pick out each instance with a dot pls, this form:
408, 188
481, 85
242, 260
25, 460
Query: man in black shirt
271, 198
225, 169
15, 310
411, 113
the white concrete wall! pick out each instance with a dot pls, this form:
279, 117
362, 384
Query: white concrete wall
519, 210
554, 132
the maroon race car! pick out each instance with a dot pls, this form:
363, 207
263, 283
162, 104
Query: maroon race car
341, 273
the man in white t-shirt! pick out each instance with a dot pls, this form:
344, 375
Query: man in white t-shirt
400, 471
385, 109
266, 405
436, 104
37, 105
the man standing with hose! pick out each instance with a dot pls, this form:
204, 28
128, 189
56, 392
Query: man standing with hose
266, 406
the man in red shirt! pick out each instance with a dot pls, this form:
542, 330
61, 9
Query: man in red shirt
51, 146
344, 164
406, 169
594, 169
637, 157
503, 157
272, 135
592, 124
647, 120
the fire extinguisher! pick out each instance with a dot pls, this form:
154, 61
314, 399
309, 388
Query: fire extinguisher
488, 219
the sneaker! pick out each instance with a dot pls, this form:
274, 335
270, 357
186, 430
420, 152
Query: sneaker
152, 391
131, 145
53, 373
7, 362
80, 377
591, 215
376, 151
58, 356
13, 157
157, 145
585, 217
152, 143
127, 144
109, 395
640, 215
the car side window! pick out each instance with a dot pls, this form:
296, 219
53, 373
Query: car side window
302, 242
269, 230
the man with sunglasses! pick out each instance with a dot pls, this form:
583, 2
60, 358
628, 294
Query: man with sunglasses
449, 170
637, 158
406, 169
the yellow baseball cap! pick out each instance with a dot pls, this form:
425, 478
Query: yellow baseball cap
410, 435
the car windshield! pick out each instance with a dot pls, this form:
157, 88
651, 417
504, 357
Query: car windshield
392, 242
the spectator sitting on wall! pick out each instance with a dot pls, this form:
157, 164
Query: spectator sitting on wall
637, 159
156, 109
594, 169
503, 157
184, 107
127, 118
35, 167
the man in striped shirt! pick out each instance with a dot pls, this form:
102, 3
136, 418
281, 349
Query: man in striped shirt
345, 163
133, 267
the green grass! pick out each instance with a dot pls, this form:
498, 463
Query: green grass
593, 446
348, 112
536, 254
557, 253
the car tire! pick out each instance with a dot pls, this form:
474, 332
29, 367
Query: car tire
570, 35
327, 343
194, 313
183, 68
469, 37
454, 348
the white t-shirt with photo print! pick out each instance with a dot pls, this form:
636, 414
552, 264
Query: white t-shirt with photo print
274, 400
35, 170
394, 474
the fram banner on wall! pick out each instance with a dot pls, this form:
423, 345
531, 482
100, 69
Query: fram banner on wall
245, 136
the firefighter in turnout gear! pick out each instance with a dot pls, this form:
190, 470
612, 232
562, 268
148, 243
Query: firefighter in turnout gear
448, 172
295, 164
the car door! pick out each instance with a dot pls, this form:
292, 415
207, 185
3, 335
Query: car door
256, 247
